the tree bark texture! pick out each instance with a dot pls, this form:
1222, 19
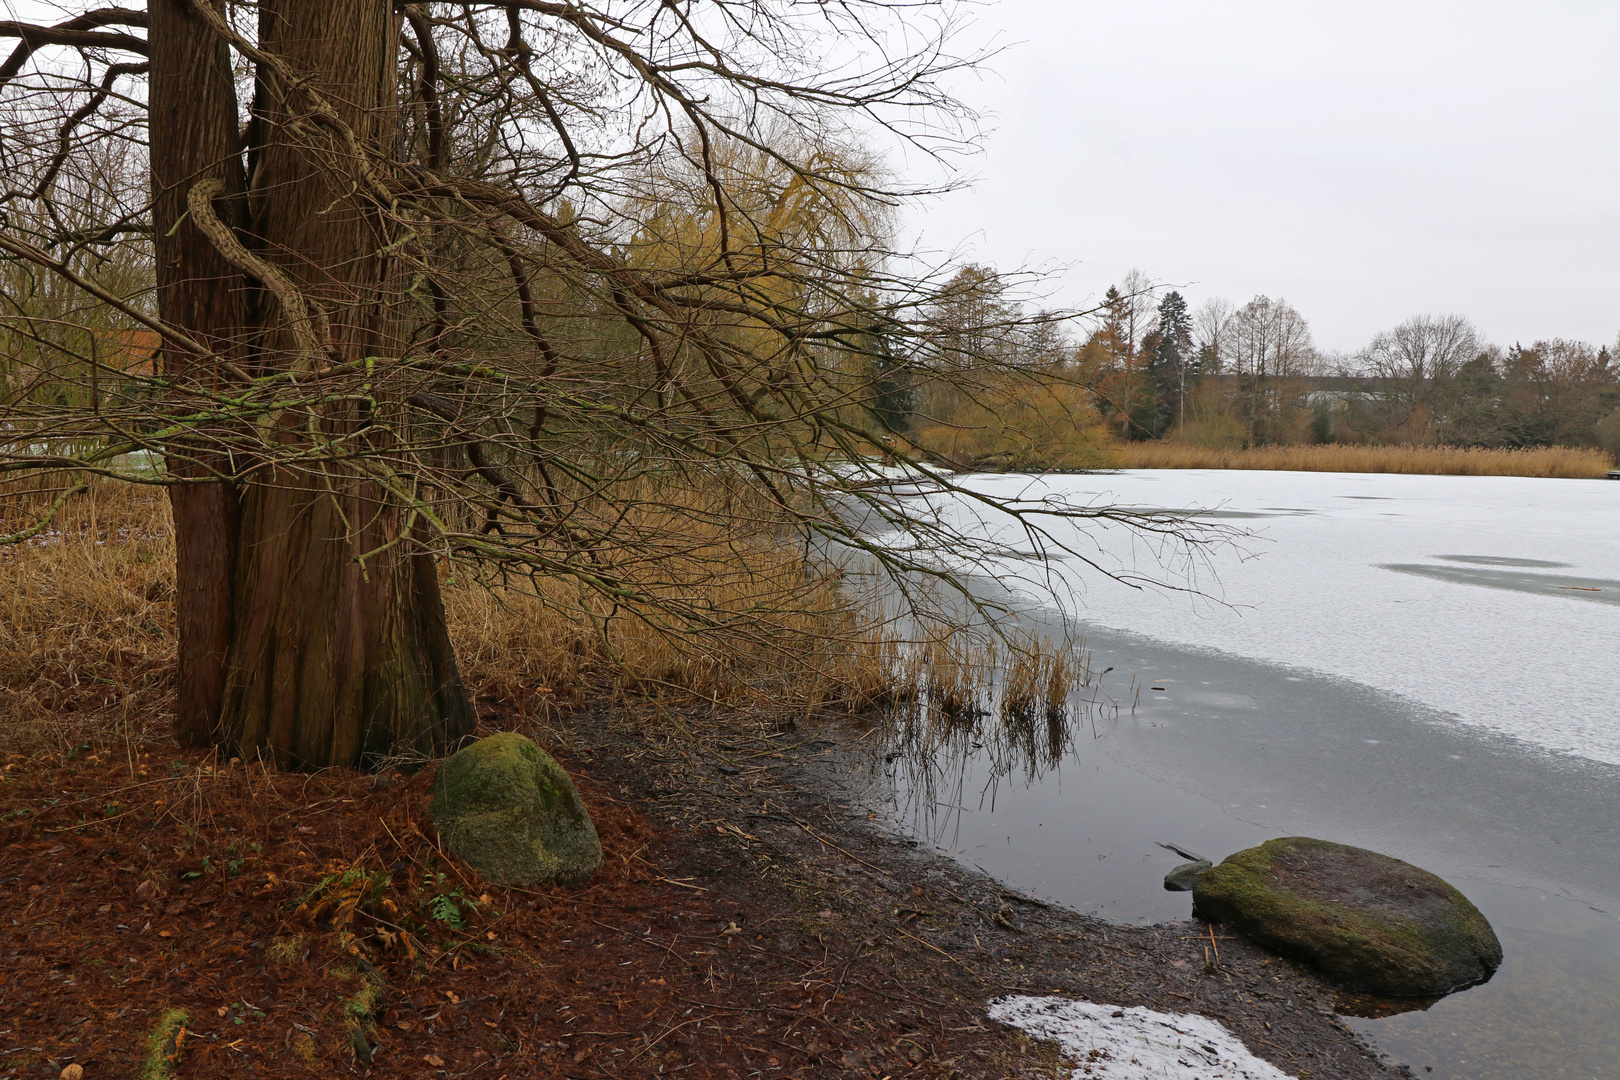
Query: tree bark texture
330, 660
193, 137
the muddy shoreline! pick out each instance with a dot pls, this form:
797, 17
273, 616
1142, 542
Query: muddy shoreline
793, 813
754, 918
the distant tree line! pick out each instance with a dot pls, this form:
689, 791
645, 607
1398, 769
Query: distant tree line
1148, 365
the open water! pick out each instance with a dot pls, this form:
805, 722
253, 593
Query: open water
1426, 666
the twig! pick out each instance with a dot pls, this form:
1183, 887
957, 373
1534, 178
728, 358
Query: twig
836, 848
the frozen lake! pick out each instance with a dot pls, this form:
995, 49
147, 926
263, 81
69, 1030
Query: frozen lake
1493, 599
1420, 665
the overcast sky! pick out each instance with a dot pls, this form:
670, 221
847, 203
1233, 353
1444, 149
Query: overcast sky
1365, 161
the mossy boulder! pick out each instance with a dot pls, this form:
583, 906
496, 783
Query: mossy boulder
1369, 921
507, 807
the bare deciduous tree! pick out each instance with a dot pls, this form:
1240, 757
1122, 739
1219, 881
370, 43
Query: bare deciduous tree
1140, 296
1209, 326
537, 286
1416, 358
1263, 341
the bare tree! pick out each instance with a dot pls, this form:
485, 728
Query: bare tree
536, 287
1416, 359
1140, 296
1209, 326
1262, 342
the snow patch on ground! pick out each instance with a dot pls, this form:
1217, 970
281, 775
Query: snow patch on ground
1114, 1043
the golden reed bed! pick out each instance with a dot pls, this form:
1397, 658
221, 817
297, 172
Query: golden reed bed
1551, 461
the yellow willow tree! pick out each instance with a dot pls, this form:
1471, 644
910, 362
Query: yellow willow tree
533, 287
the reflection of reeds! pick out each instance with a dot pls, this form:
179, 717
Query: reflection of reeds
1037, 684
994, 710
1544, 461
955, 677
1011, 697
937, 684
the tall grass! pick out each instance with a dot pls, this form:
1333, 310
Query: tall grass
87, 641
1551, 461
87, 630
87, 622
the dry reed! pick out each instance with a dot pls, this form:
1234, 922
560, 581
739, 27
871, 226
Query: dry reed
87, 629
87, 636
1549, 461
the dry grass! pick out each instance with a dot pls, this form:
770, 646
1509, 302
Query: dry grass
1038, 681
87, 627
771, 639
87, 644
1552, 461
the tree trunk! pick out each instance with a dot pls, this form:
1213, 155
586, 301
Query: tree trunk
330, 660
193, 137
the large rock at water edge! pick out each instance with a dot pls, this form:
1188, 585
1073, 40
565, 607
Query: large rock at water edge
507, 807
1372, 922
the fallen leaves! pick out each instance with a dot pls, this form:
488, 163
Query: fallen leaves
434, 1060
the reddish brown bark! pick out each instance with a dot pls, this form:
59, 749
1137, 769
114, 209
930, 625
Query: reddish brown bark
332, 661
290, 647
193, 133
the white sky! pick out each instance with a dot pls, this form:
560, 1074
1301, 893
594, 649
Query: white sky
1365, 161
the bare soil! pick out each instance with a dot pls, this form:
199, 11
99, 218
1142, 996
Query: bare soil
751, 920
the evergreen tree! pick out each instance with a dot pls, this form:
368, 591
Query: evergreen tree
1170, 358
1471, 417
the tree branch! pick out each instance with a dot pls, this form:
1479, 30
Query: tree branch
79, 32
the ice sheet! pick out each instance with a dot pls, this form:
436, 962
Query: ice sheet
1490, 598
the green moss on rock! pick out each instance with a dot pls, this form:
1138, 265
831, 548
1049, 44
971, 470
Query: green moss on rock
510, 810
1372, 922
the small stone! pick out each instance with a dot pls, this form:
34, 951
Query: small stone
1185, 876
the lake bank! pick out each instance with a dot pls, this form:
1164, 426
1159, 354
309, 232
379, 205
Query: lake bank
1418, 665
750, 919
1548, 461
1234, 752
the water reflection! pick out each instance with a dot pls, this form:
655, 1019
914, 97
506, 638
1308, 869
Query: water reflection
997, 711
1071, 808
1375, 1006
